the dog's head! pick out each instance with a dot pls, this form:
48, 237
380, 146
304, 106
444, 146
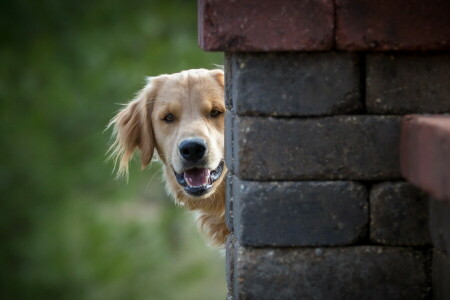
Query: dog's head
182, 117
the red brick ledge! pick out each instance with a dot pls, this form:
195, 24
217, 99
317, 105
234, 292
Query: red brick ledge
393, 24
313, 25
265, 25
425, 153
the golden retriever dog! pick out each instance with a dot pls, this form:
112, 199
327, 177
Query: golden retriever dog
181, 116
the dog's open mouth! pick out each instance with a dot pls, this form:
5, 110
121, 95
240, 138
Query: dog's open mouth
197, 181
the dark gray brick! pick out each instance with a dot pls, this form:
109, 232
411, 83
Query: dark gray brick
229, 262
408, 83
229, 202
398, 215
228, 81
441, 276
440, 225
295, 84
365, 272
299, 213
229, 143
341, 147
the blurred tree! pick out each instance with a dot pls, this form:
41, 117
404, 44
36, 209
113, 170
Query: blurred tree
67, 229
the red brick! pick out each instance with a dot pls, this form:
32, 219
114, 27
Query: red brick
393, 24
265, 25
425, 153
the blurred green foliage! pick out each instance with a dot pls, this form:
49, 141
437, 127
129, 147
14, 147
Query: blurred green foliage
68, 230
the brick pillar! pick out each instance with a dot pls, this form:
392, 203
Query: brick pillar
315, 199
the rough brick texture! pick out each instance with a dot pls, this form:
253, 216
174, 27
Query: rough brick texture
425, 153
265, 25
342, 147
295, 84
441, 276
398, 214
299, 213
296, 142
366, 272
229, 202
392, 25
229, 142
440, 225
229, 263
228, 70
408, 83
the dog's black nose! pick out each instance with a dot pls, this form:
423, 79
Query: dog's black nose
192, 150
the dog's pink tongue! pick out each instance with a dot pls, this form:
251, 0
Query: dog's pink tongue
196, 177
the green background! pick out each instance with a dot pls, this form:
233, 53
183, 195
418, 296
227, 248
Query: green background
68, 230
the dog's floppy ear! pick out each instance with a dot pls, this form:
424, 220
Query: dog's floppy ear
132, 128
218, 76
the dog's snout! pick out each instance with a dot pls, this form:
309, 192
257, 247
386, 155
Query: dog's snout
192, 150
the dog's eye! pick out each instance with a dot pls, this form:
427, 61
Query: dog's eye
169, 118
215, 113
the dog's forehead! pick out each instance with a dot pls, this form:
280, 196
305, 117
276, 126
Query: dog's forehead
190, 86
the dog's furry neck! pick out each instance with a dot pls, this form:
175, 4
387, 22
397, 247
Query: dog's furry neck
210, 211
